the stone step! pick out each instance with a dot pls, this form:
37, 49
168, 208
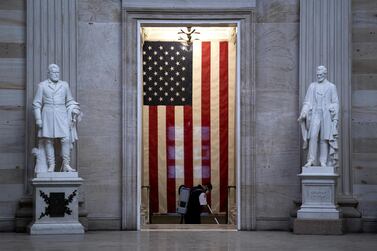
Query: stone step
189, 227
176, 218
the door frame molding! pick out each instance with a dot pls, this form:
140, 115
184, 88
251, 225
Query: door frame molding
132, 18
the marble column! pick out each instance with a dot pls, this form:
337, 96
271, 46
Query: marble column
325, 39
51, 38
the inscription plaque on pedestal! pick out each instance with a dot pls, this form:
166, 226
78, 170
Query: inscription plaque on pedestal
318, 194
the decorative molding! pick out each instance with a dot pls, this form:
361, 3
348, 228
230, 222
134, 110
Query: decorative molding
56, 204
325, 39
192, 5
245, 100
51, 38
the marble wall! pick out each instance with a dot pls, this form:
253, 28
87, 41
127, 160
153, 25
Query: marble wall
12, 105
278, 160
99, 93
277, 107
364, 109
277, 89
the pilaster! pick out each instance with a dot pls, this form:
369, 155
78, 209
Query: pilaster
51, 38
325, 39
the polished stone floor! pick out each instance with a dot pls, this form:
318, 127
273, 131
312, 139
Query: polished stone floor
187, 240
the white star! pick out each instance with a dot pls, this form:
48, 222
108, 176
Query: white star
160, 47
171, 58
144, 63
149, 78
144, 83
183, 58
166, 63
145, 93
166, 53
144, 53
177, 63
183, 99
177, 83
155, 53
161, 58
183, 78
172, 48
183, 68
160, 88
149, 58
160, 78
144, 73
166, 94
155, 93
166, 73
160, 68
177, 53
171, 78
171, 88
150, 68
161, 99
150, 98
183, 89
150, 88
177, 73
171, 99
149, 47
177, 94
155, 83
155, 73
155, 63
172, 68
166, 83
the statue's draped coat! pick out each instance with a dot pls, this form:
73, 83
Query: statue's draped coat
330, 101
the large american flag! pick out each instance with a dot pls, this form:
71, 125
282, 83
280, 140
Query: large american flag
188, 120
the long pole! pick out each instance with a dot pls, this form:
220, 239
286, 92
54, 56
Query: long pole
217, 222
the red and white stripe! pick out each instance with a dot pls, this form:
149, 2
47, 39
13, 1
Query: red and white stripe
195, 144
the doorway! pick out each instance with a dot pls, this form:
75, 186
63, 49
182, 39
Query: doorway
188, 76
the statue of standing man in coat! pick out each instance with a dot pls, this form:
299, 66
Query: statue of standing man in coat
56, 114
319, 121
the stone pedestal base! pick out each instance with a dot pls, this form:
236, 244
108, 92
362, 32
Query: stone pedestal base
318, 213
318, 193
56, 204
325, 227
58, 228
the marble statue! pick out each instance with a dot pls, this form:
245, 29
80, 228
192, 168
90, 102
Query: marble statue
319, 121
56, 114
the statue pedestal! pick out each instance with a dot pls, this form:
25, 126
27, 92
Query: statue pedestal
56, 203
318, 213
318, 193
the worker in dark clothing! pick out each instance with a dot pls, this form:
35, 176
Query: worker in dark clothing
196, 203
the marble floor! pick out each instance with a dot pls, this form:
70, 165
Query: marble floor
184, 240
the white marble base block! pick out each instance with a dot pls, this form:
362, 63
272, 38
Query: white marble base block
318, 193
56, 204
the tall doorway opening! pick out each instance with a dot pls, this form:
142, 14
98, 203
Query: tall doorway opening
188, 82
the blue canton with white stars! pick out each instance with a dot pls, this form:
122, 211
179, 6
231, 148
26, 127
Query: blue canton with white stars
167, 73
